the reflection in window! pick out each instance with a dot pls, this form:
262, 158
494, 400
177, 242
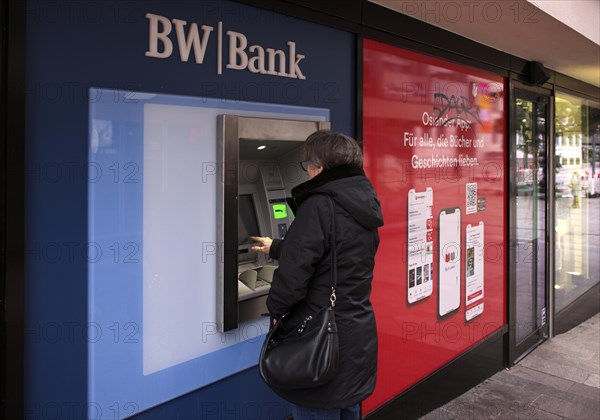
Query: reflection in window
577, 198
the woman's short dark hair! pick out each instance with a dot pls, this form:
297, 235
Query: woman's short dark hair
329, 149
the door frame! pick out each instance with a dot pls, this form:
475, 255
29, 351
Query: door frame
516, 351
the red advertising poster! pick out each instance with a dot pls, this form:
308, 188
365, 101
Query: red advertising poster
435, 149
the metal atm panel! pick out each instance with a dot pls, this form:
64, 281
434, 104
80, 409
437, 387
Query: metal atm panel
256, 182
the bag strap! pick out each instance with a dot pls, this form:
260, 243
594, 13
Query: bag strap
332, 298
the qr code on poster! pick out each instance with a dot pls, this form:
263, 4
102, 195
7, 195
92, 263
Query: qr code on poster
471, 198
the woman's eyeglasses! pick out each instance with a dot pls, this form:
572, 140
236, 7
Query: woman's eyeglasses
304, 165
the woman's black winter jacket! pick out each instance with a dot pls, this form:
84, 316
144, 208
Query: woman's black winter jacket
302, 283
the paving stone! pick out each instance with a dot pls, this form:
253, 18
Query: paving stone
581, 329
541, 415
511, 410
590, 366
585, 391
567, 409
497, 391
480, 409
495, 401
588, 340
593, 380
443, 414
558, 380
575, 361
513, 380
544, 384
567, 347
532, 375
588, 363
465, 406
554, 368
573, 396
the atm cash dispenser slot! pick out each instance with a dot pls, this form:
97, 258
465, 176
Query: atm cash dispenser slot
259, 165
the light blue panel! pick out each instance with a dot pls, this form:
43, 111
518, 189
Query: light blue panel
153, 252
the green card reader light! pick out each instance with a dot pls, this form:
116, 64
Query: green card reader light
279, 211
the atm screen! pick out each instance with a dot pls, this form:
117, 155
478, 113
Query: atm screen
247, 221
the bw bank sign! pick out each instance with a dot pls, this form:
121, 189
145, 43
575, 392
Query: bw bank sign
192, 41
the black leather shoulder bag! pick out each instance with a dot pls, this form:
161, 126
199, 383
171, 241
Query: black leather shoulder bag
305, 355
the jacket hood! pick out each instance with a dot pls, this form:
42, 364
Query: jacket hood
350, 189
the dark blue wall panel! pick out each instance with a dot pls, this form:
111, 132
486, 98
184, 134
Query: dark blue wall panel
243, 396
75, 45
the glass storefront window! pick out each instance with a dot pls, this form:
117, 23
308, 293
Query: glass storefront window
577, 198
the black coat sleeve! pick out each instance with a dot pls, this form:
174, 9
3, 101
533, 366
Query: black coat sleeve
275, 249
305, 245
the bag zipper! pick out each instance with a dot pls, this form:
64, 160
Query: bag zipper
303, 324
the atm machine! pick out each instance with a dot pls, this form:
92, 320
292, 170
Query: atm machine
259, 164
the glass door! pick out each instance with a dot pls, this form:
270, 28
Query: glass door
529, 284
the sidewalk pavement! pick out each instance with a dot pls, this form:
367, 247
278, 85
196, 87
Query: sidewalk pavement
558, 380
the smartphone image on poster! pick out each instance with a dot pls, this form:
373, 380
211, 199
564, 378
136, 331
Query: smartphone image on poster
419, 245
474, 272
449, 261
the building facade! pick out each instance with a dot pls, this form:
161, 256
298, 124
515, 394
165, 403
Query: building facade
122, 179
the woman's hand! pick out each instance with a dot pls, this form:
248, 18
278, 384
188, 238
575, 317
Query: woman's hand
265, 244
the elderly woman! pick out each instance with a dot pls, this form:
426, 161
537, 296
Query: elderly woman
302, 283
